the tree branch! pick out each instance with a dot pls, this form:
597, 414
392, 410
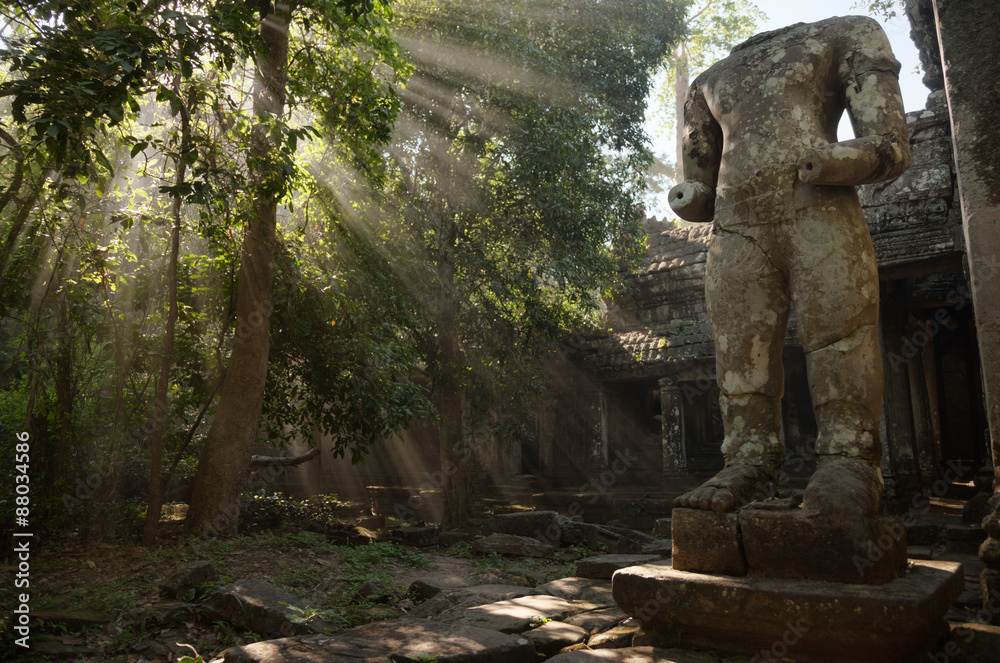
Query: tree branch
264, 461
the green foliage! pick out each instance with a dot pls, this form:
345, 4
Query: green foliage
884, 8
518, 169
712, 27
263, 510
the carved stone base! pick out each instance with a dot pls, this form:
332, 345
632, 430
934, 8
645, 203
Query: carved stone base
787, 543
790, 545
707, 542
807, 621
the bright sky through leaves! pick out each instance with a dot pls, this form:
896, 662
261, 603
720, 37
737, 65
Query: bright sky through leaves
781, 13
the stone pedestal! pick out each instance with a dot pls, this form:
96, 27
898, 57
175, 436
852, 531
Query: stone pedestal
786, 543
707, 542
803, 620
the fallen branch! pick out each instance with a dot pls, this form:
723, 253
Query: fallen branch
265, 461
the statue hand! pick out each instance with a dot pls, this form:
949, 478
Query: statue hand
692, 201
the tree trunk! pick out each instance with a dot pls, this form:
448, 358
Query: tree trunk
64, 390
156, 487
456, 453
681, 84
225, 460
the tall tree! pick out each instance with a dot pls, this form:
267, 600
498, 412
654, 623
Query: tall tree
519, 168
82, 73
712, 28
362, 107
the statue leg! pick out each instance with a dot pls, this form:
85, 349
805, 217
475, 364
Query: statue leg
748, 311
834, 285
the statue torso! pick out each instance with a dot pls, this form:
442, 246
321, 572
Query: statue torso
775, 95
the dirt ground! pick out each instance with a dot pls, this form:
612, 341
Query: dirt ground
102, 603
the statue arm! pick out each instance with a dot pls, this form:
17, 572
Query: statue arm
881, 151
694, 198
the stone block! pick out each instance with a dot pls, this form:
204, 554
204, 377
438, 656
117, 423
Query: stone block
662, 527
969, 642
551, 637
922, 534
455, 600
596, 621
604, 566
634, 655
965, 533
792, 545
580, 589
511, 544
393, 640
618, 637
660, 548
803, 620
425, 588
518, 615
185, 577
541, 525
707, 542
418, 537
258, 606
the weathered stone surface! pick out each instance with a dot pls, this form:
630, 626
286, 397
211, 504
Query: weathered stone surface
615, 638
258, 606
662, 528
969, 643
964, 30
634, 655
989, 584
922, 534
966, 533
595, 621
707, 542
425, 588
518, 615
451, 600
551, 637
374, 589
543, 526
594, 590
418, 537
660, 548
573, 531
511, 544
185, 577
397, 640
896, 621
790, 544
604, 566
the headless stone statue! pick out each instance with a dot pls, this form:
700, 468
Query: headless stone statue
762, 162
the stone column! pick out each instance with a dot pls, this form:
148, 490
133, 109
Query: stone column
672, 412
897, 408
967, 32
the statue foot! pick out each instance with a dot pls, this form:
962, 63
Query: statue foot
844, 487
737, 484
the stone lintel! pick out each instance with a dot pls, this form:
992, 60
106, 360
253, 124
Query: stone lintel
808, 621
